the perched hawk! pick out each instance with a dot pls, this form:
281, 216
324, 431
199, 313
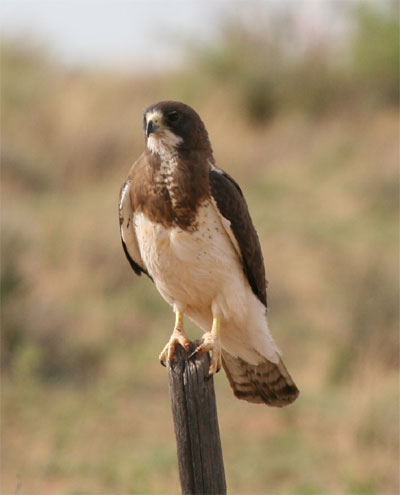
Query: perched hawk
185, 223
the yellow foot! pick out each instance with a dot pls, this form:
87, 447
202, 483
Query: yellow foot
212, 342
178, 337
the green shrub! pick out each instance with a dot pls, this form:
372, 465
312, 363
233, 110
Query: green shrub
375, 53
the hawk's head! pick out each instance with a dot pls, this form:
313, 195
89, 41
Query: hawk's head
171, 126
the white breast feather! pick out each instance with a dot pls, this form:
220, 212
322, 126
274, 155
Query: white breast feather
201, 273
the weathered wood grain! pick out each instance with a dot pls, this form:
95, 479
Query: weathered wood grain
194, 409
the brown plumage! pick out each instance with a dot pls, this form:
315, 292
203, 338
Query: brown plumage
267, 382
185, 223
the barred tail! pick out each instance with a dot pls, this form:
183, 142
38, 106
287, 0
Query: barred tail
267, 382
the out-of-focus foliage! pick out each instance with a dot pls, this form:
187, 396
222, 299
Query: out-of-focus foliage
314, 145
268, 69
375, 54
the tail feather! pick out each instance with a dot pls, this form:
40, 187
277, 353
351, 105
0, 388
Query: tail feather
267, 382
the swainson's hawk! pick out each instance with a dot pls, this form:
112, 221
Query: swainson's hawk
185, 223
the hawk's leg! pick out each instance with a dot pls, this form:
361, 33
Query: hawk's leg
212, 342
178, 337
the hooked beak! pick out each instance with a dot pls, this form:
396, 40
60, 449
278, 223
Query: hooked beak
154, 123
151, 127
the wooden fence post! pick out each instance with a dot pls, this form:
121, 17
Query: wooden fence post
194, 409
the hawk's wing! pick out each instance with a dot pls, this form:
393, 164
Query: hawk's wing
128, 235
237, 222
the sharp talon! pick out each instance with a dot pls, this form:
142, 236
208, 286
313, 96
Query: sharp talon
166, 356
193, 354
203, 348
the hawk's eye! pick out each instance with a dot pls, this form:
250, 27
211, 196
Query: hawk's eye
173, 116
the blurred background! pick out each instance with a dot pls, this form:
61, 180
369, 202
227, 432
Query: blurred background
301, 103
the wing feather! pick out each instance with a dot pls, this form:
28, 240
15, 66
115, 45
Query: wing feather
232, 207
128, 235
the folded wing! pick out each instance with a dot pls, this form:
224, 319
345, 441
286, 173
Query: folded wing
128, 235
232, 207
